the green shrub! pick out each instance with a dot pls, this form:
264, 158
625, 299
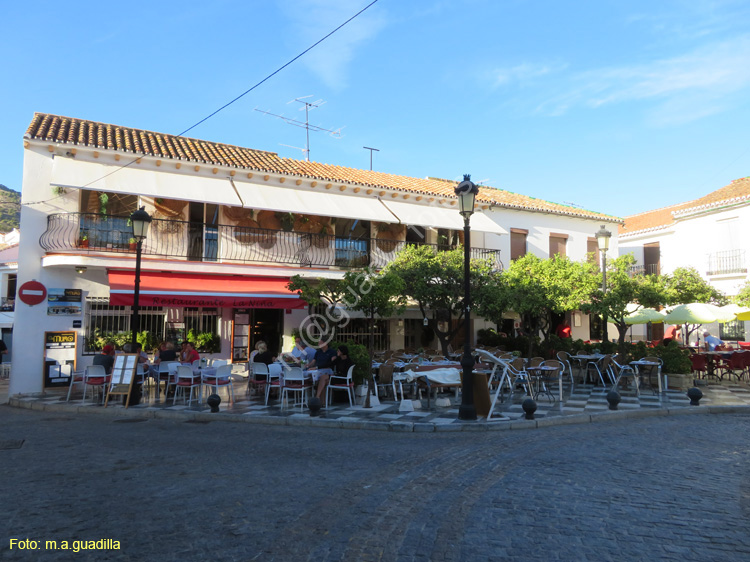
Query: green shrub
676, 360
204, 342
148, 340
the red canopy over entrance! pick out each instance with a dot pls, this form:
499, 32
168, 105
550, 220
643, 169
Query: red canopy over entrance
188, 289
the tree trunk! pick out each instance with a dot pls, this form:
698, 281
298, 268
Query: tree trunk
622, 330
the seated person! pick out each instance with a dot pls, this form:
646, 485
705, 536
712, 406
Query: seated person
711, 341
190, 353
300, 352
142, 355
106, 358
263, 355
342, 362
324, 361
166, 353
255, 352
183, 352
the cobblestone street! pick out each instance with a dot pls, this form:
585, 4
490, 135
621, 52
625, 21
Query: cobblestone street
658, 488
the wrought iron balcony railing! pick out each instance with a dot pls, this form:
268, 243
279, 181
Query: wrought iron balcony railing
649, 269
192, 241
7, 304
727, 261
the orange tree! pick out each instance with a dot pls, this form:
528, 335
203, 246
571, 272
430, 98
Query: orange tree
435, 281
536, 289
623, 289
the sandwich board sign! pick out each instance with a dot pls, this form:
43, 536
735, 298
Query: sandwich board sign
123, 376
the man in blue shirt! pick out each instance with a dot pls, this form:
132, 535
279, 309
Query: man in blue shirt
323, 361
711, 341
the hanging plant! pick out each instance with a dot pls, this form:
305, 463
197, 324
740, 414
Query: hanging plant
103, 200
287, 221
389, 236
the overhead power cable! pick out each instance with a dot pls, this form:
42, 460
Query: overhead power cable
243, 94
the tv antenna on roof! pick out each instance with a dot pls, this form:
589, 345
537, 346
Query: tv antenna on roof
306, 123
371, 151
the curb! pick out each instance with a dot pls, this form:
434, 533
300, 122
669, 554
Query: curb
375, 425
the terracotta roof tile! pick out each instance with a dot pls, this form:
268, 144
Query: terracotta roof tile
54, 128
736, 192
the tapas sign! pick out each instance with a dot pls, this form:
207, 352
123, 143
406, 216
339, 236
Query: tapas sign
123, 376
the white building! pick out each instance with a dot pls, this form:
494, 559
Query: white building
8, 275
231, 226
11, 238
711, 234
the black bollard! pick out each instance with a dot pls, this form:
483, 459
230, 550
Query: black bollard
613, 397
529, 406
695, 396
213, 401
314, 405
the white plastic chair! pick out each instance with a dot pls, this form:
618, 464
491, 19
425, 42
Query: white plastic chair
274, 378
216, 363
296, 381
186, 379
76, 378
337, 382
171, 369
95, 377
222, 377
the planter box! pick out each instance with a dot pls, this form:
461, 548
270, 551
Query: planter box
680, 382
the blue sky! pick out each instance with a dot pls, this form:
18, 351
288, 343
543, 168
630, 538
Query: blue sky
619, 107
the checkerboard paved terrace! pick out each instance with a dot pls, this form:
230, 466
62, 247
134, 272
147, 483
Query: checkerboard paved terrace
584, 404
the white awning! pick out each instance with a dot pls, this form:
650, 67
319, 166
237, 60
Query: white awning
423, 215
315, 202
68, 172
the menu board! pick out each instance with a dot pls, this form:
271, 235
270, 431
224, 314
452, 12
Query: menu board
123, 376
59, 358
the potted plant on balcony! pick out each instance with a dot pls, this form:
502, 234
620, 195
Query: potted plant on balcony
271, 223
83, 239
132, 244
389, 235
286, 220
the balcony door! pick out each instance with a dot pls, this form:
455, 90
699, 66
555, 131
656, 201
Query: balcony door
203, 231
652, 258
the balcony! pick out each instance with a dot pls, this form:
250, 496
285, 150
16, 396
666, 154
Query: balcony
7, 304
726, 262
648, 269
181, 240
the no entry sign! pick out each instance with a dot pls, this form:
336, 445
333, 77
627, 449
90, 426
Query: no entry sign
32, 292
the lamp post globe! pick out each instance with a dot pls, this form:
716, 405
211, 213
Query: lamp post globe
141, 221
466, 191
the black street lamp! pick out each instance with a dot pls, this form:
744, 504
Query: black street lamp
467, 192
141, 221
602, 238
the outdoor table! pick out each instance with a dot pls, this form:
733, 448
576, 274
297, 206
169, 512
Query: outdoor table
541, 369
583, 361
710, 363
642, 363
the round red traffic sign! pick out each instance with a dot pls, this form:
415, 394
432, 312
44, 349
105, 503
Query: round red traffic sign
32, 292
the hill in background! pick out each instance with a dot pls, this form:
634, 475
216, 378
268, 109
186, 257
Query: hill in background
10, 209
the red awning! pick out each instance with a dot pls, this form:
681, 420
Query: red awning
187, 289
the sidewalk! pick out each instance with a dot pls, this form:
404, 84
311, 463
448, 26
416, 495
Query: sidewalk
586, 404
